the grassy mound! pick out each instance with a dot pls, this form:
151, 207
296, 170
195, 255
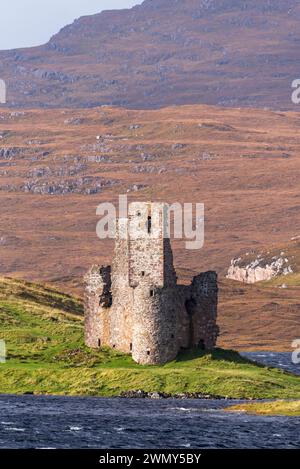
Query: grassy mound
288, 408
43, 331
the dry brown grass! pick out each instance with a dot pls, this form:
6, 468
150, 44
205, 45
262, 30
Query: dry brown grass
253, 317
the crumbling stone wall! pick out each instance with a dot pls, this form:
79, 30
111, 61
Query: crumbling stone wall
121, 314
138, 307
146, 244
98, 301
204, 294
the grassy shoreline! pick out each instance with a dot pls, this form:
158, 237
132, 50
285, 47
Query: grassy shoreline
43, 331
279, 407
211, 374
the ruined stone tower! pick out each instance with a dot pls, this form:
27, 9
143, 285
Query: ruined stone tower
136, 306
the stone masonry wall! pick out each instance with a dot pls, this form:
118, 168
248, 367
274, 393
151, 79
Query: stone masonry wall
146, 244
204, 290
155, 325
97, 302
121, 314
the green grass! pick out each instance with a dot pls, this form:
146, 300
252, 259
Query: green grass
43, 330
291, 280
288, 408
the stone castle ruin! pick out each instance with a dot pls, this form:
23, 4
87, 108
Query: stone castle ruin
136, 306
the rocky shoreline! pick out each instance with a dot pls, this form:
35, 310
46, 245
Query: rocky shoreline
140, 394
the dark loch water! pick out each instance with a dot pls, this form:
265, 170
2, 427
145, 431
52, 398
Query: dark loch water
64, 422
281, 360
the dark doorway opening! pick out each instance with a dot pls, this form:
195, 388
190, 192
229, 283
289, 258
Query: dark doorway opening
201, 344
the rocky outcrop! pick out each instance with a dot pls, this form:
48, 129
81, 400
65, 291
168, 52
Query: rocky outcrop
86, 185
260, 269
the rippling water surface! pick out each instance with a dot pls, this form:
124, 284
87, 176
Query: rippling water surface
67, 422
281, 360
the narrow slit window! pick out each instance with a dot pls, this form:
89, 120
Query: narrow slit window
149, 225
151, 292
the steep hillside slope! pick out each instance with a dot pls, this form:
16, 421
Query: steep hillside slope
164, 52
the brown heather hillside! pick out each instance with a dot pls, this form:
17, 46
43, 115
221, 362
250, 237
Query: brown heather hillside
164, 52
242, 164
258, 317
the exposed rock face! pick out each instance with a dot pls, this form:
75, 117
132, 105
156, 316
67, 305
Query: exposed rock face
140, 309
259, 269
